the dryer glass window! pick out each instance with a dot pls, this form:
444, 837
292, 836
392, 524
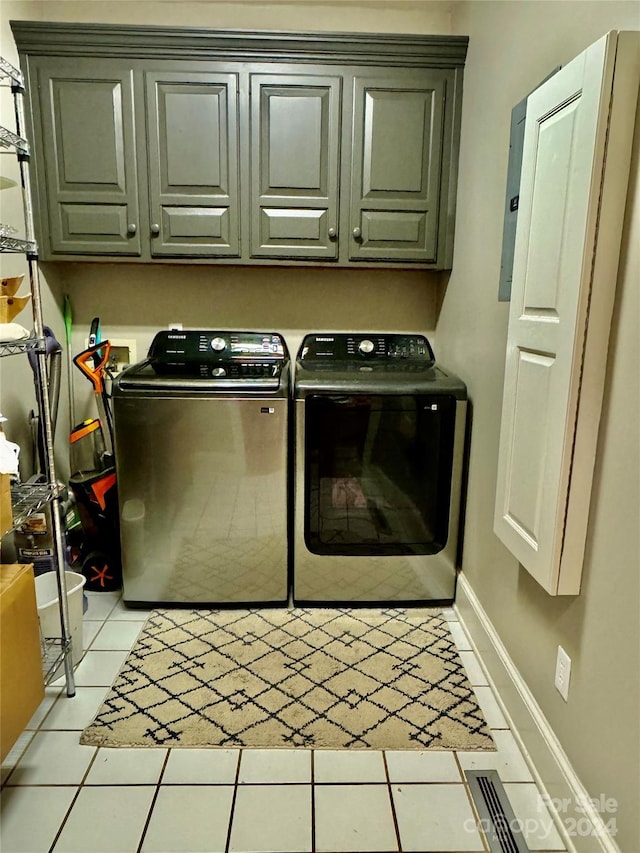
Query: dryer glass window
378, 473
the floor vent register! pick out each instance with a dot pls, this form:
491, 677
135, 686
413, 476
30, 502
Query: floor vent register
501, 827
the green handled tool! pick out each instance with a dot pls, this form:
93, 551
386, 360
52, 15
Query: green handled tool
68, 326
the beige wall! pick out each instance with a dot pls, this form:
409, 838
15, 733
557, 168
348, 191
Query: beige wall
411, 16
512, 47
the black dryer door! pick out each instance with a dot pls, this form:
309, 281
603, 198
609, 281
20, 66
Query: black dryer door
378, 473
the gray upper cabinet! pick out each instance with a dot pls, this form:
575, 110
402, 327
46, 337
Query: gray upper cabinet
192, 150
145, 163
244, 147
295, 134
89, 165
396, 166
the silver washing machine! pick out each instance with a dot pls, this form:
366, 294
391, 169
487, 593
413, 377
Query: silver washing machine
201, 434
379, 438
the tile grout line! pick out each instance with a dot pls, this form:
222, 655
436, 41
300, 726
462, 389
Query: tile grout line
26, 746
79, 787
153, 801
474, 811
313, 801
233, 801
394, 816
74, 800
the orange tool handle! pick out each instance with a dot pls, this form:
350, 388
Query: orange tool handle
95, 372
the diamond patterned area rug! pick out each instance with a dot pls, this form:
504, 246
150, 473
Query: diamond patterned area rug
314, 678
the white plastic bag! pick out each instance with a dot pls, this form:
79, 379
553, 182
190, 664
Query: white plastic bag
9, 453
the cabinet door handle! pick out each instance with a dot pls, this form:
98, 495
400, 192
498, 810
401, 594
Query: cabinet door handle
332, 233
357, 233
155, 229
131, 228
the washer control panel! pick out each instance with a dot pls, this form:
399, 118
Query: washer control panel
239, 370
218, 344
239, 357
375, 347
192, 345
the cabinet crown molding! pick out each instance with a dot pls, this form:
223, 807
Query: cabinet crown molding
112, 40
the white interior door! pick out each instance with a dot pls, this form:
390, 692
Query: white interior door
560, 225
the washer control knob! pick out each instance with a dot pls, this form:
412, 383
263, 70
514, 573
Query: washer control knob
218, 344
366, 346
218, 371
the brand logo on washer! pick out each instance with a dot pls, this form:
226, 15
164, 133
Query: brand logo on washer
325, 340
177, 337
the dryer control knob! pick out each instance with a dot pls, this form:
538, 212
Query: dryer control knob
218, 371
366, 347
218, 344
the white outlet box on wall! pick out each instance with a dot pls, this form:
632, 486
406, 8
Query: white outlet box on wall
563, 673
123, 352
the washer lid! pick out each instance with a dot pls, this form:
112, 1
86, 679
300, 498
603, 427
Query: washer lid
197, 376
199, 360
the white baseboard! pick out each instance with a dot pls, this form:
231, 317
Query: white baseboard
580, 822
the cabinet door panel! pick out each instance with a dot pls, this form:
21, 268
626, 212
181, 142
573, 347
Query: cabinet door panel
193, 163
80, 221
395, 122
280, 226
396, 167
294, 146
295, 127
86, 115
208, 224
393, 226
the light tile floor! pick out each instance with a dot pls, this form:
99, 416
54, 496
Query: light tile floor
63, 797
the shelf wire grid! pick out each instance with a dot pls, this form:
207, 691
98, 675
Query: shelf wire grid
28, 498
16, 347
53, 651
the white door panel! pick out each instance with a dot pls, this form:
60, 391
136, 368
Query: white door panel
526, 467
556, 243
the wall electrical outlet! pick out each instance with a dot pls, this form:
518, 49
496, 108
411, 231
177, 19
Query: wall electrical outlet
563, 673
121, 354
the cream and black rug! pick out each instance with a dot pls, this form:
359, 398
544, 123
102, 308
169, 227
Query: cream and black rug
315, 678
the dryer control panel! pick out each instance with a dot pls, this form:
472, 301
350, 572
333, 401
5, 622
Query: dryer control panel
341, 347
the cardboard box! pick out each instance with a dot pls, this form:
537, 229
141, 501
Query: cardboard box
21, 679
6, 512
